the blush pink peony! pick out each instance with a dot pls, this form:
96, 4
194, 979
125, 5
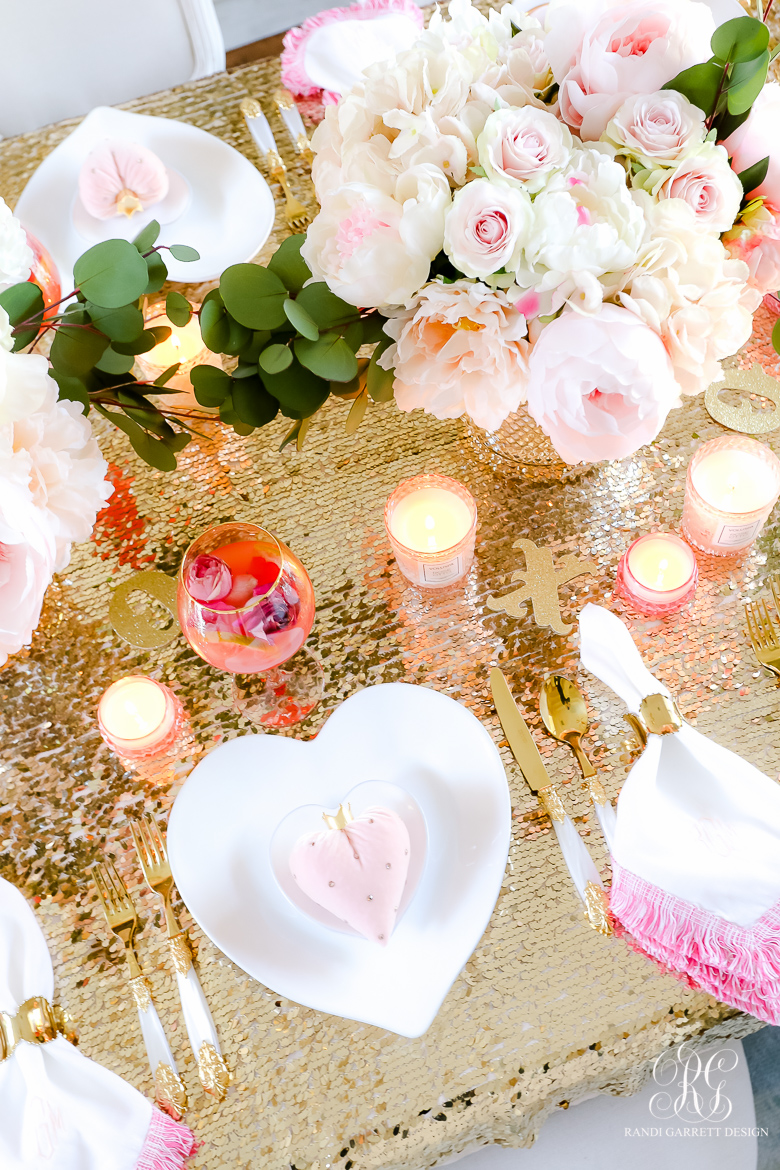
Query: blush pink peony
600, 386
756, 241
758, 138
459, 349
602, 52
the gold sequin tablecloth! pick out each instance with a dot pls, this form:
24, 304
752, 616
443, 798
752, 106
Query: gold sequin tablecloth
545, 1010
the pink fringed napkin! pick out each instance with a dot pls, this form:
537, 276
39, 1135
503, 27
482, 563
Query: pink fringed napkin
696, 849
57, 1108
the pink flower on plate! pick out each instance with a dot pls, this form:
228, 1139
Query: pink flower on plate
208, 578
600, 386
601, 52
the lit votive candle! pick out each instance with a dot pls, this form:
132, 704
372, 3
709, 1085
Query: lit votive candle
139, 718
732, 485
184, 345
431, 521
657, 574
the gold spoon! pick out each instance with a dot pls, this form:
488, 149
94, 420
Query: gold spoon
565, 716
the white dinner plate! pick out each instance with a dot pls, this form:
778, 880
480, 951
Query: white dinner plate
227, 219
226, 816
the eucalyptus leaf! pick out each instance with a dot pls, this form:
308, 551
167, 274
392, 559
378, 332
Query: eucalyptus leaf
184, 253
21, 302
379, 382
288, 264
357, 413
300, 320
111, 274
122, 324
275, 358
741, 39
329, 356
373, 327
112, 362
151, 450
252, 402
145, 413
71, 389
303, 431
243, 370
177, 441
214, 324
324, 307
700, 84
754, 176
157, 273
253, 296
147, 237
166, 375
746, 83
178, 308
76, 351
144, 342
353, 335
299, 391
257, 342
776, 335
727, 123
237, 337
291, 435
211, 385
228, 415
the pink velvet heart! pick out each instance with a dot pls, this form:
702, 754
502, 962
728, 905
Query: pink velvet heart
357, 873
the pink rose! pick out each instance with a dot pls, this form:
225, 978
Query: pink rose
600, 386
709, 186
602, 52
657, 128
486, 227
208, 578
758, 137
523, 147
756, 241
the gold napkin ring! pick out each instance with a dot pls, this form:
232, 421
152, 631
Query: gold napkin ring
37, 1022
658, 715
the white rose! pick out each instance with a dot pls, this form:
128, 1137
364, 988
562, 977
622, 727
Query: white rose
585, 221
705, 181
486, 227
523, 147
16, 255
6, 332
520, 77
373, 249
657, 128
600, 387
459, 349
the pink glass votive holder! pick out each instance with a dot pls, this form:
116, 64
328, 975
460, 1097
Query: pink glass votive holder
731, 487
139, 718
431, 521
657, 574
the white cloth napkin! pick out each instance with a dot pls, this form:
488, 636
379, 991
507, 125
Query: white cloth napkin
336, 54
57, 1108
696, 849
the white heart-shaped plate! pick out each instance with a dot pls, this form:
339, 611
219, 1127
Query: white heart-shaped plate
225, 817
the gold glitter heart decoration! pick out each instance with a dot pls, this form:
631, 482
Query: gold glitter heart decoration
744, 418
541, 578
136, 627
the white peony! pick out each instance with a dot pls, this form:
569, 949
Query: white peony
657, 129
459, 349
6, 332
66, 471
585, 221
521, 76
373, 249
16, 255
600, 387
524, 147
486, 227
24, 384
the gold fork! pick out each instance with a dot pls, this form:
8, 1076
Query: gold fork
295, 213
153, 855
763, 634
122, 919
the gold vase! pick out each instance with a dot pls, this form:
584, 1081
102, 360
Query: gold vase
520, 449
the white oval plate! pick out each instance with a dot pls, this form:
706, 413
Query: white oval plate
228, 219
307, 819
225, 817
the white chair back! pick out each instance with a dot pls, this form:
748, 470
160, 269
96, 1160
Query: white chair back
59, 60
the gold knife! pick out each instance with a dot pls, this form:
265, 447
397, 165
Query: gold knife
575, 852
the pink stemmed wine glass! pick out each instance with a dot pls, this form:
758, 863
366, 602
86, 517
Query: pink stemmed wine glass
246, 606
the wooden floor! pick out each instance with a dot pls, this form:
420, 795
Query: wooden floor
268, 47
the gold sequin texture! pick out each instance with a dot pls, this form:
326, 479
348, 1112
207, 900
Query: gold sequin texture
546, 1009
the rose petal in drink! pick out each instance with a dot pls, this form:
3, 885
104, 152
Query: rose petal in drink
243, 588
208, 578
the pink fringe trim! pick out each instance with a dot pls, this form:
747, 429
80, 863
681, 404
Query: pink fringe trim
168, 1144
739, 965
294, 74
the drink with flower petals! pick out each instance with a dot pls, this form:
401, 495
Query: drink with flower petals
246, 603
